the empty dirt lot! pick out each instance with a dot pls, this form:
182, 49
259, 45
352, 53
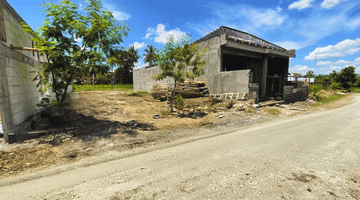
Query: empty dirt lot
108, 123
314, 156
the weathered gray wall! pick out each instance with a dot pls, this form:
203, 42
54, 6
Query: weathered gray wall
230, 82
143, 80
18, 92
222, 82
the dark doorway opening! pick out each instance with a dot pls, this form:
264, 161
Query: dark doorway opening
276, 77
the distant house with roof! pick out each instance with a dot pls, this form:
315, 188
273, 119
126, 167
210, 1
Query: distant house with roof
238, 62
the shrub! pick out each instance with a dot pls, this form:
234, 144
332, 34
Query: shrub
180, 102
334, 86
315, 88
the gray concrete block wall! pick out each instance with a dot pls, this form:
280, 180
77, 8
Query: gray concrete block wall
143, 80
19, 94
293, 93
230, 82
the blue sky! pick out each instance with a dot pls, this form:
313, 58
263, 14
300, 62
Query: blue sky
323, 30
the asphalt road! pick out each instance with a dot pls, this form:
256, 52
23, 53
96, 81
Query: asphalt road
314, 156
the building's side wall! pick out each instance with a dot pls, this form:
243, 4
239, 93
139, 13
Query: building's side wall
18, 69
216, 81
231, 82
222, 82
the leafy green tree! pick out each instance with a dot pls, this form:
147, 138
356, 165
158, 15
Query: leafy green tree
346, 77
176, 57
126, 60
57, 40
151, 55
310, 74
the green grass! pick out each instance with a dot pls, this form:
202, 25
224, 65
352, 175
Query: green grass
273, 111
315, 88
329, 99
355, 89
89, 87
139, 93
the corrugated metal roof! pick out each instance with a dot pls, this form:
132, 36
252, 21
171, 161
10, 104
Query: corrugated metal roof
241, 36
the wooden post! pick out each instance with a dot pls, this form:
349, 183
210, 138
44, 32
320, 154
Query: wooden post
265, 66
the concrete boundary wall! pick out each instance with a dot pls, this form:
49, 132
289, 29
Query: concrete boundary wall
143, 80
18, 92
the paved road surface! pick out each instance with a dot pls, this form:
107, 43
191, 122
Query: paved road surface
315, 156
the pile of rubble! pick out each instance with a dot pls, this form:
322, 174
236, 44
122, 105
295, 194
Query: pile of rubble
188, 89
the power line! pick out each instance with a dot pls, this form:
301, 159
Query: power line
197, 27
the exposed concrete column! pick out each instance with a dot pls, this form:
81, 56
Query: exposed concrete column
265, 66
6, 117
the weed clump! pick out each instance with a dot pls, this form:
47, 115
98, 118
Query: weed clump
180, 102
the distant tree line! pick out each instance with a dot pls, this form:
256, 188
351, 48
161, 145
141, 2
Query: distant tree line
346, 78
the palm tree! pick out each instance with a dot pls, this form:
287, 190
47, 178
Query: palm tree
151, 55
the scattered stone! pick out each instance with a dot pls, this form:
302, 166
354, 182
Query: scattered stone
256, 106
238, 107
121, 102
156, 116
111, 145
151, 122
340, 93
221, 116
221, 108
299, 109
130, 121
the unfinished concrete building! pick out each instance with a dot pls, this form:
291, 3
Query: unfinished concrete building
18, 92
238, 62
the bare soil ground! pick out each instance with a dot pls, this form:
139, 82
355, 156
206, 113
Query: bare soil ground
106, 122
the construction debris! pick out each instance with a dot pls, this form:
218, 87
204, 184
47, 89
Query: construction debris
192, 89
188, 89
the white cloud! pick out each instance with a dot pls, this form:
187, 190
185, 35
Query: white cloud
302, 69
301, 4
329, 66
261, 17
323, 63
341, 49
330, 3
249, 15
291, 44
162, 35
342, 62
138, 45
121, 16
140, 64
